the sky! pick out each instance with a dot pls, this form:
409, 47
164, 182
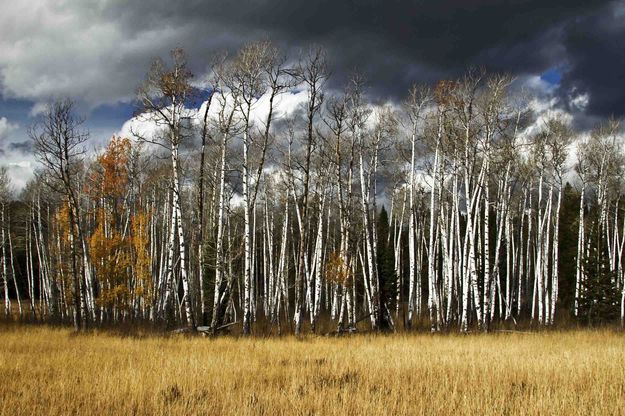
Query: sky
567, 52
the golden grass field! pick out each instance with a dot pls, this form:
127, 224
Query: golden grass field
47, 370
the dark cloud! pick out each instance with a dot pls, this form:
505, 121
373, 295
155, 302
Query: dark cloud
447, 35
21, 147
393, 42
594, 45
396, 42
439, 33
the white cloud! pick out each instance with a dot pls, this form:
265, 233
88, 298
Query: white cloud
20, 172
140, 127
95, 51
6, 128
284, 106
535, 84
580, 102
19, 167
38, 109
541, 105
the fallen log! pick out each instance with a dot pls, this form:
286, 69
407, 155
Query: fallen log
206, 330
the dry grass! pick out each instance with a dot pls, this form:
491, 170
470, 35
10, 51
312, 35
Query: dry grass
51, 371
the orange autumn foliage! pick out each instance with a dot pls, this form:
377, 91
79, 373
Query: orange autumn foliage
61, 226
337, 270
112, 249
142, 262
111, 259
110, 179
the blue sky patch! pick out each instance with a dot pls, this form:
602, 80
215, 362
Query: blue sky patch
552, 76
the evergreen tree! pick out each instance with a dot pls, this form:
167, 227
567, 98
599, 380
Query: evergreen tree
569, 223
386, 268
600, 300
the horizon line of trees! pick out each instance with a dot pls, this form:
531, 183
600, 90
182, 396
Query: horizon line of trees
458, 208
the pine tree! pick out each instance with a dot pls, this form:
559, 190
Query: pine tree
600, 300
568, 248
386, 270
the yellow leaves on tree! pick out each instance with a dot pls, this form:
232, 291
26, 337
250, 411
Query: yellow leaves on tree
111, 259
62, 234
119, 244
337, 270
142, 262
111, 177
445, 93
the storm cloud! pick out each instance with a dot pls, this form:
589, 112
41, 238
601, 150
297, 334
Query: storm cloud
98, 51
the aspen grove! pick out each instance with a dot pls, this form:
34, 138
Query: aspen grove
261, 195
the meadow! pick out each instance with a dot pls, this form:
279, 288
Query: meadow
48, 370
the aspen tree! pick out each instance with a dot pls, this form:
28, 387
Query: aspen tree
58, 143
418, 98
312, 73
164, 95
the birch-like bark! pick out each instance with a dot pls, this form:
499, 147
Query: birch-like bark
579, 269
13, 274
